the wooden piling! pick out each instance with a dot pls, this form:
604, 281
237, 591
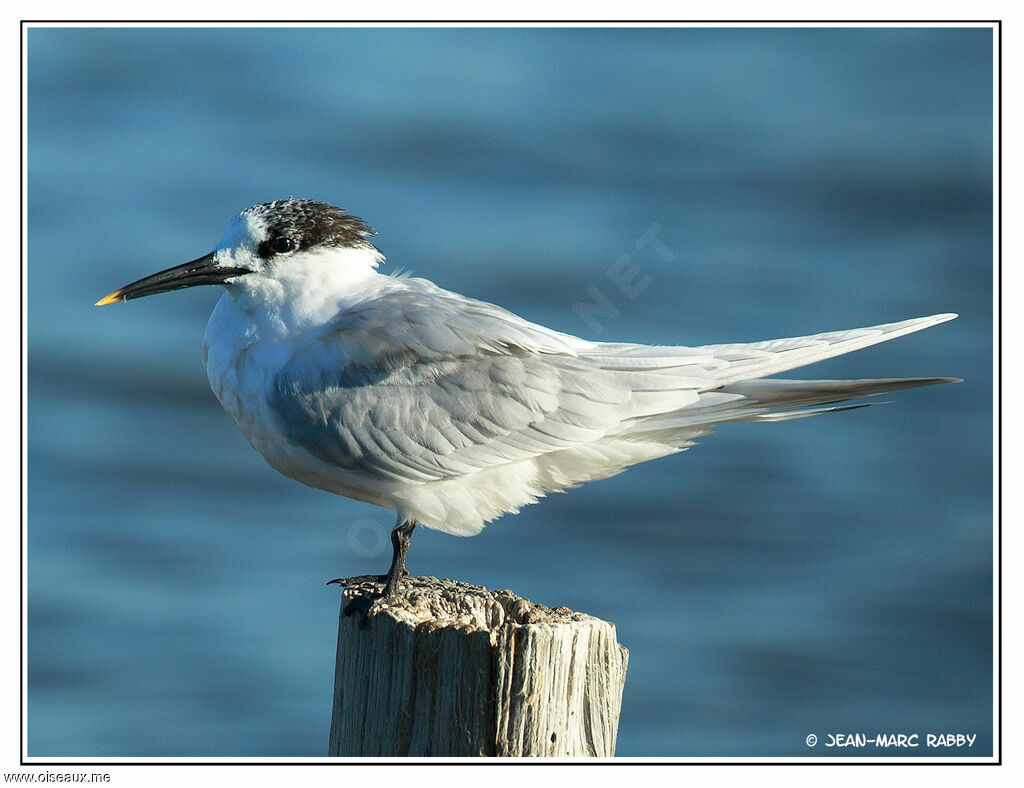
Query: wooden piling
449, 669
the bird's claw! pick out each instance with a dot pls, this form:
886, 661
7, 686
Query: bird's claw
348, 581
351, 581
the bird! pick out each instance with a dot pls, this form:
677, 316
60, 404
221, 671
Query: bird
388, 389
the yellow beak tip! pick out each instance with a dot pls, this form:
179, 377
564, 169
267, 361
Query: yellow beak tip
113, 298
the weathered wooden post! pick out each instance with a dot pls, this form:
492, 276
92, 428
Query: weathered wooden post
450, 669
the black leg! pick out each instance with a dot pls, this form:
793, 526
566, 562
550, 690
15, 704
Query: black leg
401, 538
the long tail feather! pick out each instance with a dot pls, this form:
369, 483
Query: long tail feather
767, 400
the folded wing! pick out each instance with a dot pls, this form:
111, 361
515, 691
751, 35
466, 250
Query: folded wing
421, 386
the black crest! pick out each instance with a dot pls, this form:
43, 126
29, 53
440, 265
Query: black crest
295, 225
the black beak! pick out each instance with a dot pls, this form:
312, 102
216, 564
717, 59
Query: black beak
203, 271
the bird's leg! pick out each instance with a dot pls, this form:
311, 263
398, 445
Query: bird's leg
401, 538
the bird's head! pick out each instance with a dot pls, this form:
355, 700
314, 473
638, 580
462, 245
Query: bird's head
284, 241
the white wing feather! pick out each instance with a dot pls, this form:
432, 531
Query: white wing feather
458, 411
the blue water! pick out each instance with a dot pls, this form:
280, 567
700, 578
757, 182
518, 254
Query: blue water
827, 575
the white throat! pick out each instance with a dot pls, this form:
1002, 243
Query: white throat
308, 287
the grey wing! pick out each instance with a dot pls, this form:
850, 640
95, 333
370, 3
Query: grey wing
421, 317
752, 360
422, 386
740, 392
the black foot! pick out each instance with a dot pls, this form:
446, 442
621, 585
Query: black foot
401, 538
349, 581
353, 581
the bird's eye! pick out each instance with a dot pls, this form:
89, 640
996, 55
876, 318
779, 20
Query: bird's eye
281, 244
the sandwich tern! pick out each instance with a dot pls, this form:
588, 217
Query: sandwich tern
452, 411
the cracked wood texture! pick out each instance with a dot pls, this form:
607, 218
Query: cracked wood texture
453, 670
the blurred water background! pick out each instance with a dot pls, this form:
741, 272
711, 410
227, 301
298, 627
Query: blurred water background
824, 575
